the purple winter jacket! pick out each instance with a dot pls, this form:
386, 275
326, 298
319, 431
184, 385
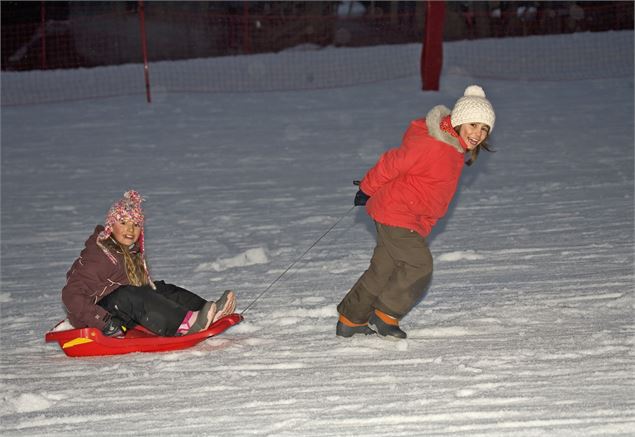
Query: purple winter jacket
91, 277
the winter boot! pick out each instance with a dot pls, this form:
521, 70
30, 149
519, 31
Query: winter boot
203, 318
385, 325
225, 305
346, 328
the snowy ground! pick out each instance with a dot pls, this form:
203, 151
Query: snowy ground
527, 329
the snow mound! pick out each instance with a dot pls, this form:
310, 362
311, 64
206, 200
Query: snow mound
460, 255
248, 258
28, 402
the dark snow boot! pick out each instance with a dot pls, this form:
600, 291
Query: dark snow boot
385, 325
342, 330
345, 328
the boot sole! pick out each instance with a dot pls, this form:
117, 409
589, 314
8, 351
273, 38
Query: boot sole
339, 333
386, 336
228, 308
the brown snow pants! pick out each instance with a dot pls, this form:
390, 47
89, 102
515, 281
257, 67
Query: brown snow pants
397, 279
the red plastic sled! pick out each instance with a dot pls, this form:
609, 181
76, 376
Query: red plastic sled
86, 342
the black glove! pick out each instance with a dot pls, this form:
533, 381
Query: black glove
361, 198
113, 327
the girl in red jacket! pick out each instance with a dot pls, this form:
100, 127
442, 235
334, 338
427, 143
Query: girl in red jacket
407, 191
108, 287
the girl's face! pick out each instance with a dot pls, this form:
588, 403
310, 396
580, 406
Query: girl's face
126, 232
473, 134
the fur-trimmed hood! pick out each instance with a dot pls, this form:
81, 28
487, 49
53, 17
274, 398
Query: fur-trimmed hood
411, 186
433, 122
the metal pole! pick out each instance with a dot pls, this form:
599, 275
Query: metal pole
246, 34
144, 49
432, 52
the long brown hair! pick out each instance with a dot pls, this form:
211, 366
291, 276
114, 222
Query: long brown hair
134, 262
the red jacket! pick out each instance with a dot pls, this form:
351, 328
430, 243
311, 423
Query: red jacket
91, 277
411, 186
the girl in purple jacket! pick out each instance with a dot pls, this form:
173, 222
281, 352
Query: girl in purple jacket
108, 287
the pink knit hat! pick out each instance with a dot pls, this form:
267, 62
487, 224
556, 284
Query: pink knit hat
125, 209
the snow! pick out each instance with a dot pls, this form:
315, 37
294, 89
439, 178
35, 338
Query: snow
561, 57
468, 255
248, 258
527, 328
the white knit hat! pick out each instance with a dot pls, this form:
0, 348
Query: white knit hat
473, 107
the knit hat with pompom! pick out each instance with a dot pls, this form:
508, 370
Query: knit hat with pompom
127, 208
473, 107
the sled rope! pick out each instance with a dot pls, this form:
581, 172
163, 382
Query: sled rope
297, 260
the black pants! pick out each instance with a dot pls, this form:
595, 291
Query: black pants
160, 311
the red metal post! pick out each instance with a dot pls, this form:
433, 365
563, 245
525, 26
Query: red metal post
144, 49
43, 35
432, 52
246, 34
